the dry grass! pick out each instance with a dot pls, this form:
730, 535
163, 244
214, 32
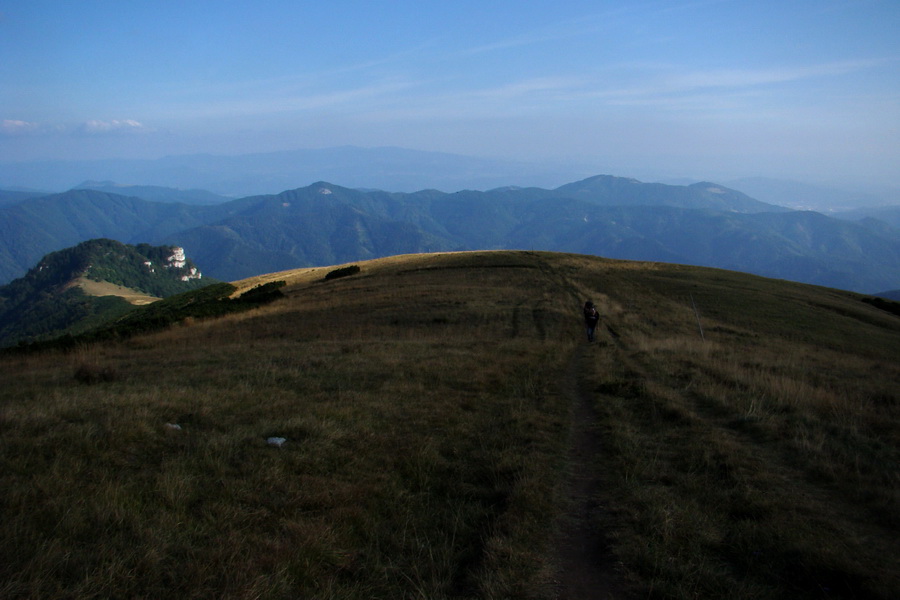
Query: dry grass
763, 461
421, 419
424, 410
104, 288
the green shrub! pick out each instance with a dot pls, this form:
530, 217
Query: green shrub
342, 272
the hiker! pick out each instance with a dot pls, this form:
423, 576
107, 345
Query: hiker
591, 318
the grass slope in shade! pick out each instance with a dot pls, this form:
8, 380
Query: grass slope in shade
427, 403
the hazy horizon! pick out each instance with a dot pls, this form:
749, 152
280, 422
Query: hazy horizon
699, 89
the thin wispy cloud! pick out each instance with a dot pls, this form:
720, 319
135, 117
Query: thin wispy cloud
538, 86
695, 5
340, 98
288, 99
674, 87
665, 87
780, 74
561, 30
537, 37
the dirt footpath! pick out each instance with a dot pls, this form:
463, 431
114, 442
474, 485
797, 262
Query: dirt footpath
586, 567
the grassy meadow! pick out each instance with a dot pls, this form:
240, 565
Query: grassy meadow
428, 406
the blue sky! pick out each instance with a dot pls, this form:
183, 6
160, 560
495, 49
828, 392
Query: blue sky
709, 89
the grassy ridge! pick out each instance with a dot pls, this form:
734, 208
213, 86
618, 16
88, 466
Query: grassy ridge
426, 403
761, 462
403, 473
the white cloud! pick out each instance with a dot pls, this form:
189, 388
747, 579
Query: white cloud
16, 127
97, 127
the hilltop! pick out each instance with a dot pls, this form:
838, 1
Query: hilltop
436, 426
76, 289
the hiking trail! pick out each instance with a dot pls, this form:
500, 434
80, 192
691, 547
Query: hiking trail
586, 567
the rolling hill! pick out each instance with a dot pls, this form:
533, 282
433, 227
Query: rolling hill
436, 426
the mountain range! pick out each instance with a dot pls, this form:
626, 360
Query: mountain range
387, 168
703, 224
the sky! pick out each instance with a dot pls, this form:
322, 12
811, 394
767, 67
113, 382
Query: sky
705, 89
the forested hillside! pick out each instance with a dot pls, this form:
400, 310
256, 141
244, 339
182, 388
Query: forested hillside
78, 288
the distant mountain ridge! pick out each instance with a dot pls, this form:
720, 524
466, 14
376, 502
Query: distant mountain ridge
76, 288
804, 196
155, 193
270, 172
8, 197
886, 214
705, 224
618, 191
